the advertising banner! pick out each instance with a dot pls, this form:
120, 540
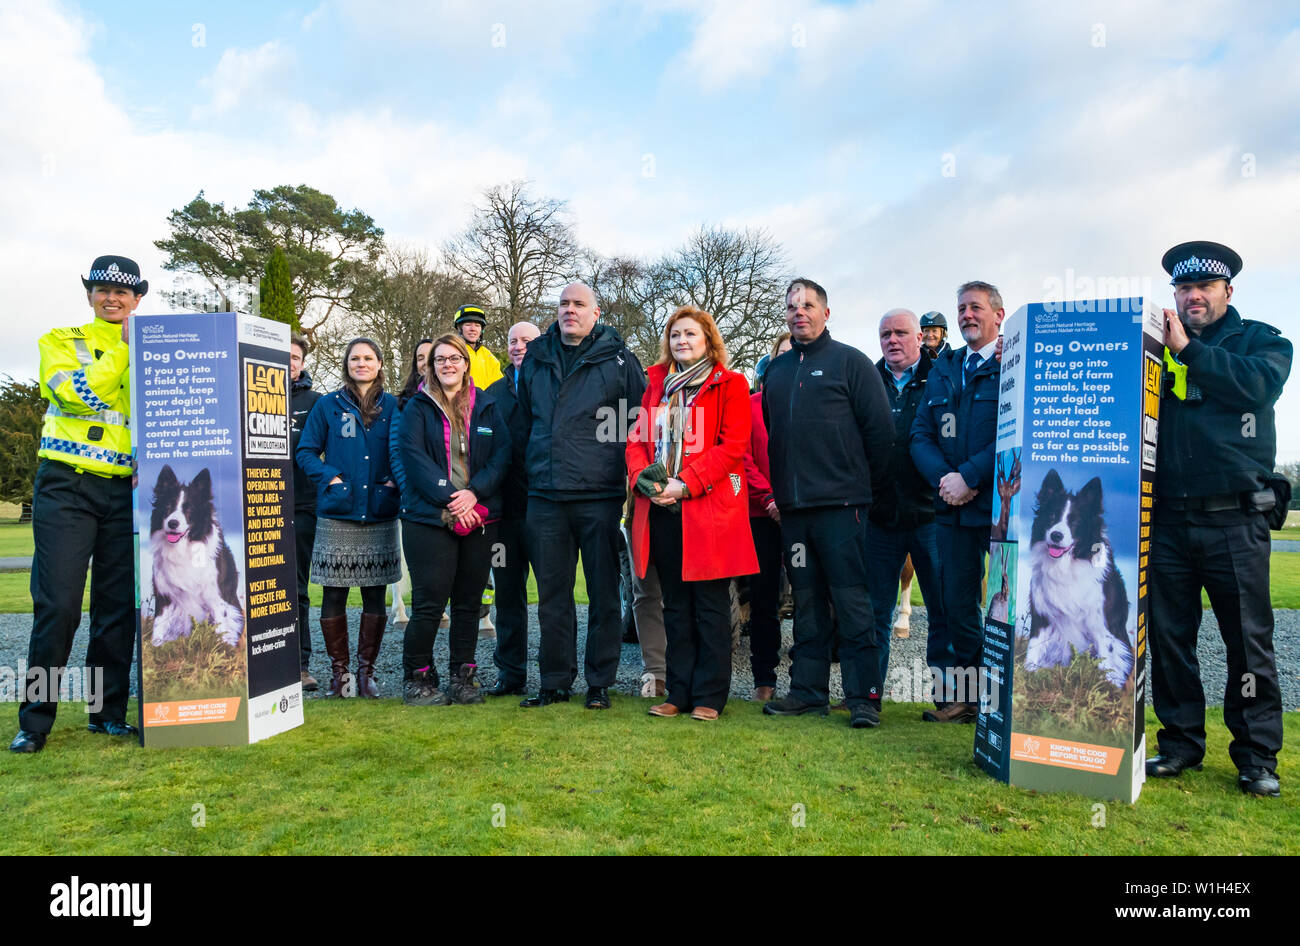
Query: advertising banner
218, 647
1066, 613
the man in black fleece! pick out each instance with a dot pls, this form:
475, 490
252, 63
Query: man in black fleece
579, 390
831, 432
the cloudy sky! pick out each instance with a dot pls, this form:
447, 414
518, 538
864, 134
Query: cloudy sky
895, 149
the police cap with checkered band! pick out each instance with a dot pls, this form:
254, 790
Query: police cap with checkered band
1200, 261
115, 271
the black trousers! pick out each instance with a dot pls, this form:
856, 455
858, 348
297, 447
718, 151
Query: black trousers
304, 539
510, 571
825, 557
765, 602
444, 566
557, 532
961, 571
1230, 562
697, 620
77, 516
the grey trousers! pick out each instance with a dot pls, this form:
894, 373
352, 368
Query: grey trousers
648, 610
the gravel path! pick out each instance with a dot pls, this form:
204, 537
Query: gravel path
16, 628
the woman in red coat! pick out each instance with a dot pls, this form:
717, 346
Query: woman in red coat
685, 460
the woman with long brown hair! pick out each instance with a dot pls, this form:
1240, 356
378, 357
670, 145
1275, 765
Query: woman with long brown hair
356, 509
685, 458
451, 451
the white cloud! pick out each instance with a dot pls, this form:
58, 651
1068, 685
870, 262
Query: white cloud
244, 75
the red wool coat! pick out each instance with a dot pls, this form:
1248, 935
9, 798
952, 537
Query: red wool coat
715, 520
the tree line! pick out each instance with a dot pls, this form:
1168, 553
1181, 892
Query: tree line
295, 255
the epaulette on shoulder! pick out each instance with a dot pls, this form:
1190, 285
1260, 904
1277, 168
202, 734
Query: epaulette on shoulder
1264, 325
74, 332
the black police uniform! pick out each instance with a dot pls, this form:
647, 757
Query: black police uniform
303, 399
1216, 450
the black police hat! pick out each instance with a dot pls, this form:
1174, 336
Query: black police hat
115, 271
470, 313
1200, 261
933, 319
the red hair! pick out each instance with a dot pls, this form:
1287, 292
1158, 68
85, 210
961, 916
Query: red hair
715, 347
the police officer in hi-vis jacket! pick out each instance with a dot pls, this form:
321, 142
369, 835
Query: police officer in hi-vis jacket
81, 509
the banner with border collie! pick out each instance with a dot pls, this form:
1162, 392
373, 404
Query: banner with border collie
1065, 622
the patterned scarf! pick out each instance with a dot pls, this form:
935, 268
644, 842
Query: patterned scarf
680, 388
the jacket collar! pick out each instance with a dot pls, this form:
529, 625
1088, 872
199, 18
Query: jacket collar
919, 373
605, 342
304, 381
656, 374
816, 345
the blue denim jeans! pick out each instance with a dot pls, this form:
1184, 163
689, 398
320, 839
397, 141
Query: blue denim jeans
886, 551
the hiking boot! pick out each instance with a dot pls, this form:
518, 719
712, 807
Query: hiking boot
422, 690
465, 687
790, 706
864, 716
952, 713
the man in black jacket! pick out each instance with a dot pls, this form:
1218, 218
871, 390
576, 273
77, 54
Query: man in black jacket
302, 400
953, 441
901, 522
579, 389
510, 558
1215, 456
830, 437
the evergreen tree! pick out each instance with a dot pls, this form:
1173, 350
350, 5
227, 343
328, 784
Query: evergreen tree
277, 291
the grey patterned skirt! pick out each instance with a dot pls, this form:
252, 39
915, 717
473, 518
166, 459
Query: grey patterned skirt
356, 554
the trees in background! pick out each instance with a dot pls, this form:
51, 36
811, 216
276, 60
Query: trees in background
21, 412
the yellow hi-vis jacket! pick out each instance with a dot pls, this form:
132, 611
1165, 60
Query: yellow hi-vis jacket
483, 367
85, 376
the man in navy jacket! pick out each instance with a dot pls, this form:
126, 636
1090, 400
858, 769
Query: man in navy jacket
953, 441
831, 434
578, 389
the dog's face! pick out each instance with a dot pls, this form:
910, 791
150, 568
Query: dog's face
182, 510
1068, 523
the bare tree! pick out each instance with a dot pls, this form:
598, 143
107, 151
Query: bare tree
401, 300
630, 294
517, 251
737, 276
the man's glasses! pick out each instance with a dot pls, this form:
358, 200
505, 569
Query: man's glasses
448, 360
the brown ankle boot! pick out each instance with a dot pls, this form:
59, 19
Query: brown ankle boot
335, 632
372, 633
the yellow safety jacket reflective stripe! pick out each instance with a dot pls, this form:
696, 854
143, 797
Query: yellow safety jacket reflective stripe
85, 377
483, 367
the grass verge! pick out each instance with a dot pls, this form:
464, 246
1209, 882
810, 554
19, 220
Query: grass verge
366, 777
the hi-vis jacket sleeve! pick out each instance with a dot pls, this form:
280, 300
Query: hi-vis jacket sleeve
78, 388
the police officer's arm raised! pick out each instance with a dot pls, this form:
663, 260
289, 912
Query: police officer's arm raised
1253, 380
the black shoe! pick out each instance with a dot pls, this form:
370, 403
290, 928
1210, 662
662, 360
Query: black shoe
545, 697
789, 706
113, 728
27, 741
597, 698
506, 688
865, 716
1167, 766
1253, 780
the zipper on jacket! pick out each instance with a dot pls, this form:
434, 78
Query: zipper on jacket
794, 477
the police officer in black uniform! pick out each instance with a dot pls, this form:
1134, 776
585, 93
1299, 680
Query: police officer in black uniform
303, 399
1216, 448
934, 335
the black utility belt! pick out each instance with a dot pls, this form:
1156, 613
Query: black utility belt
1258, 501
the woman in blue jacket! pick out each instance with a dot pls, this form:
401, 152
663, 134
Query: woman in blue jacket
356, 509
451, 453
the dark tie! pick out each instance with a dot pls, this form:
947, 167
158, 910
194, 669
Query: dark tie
972, 363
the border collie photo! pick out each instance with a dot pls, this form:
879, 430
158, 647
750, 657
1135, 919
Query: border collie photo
1077, 601
194, 573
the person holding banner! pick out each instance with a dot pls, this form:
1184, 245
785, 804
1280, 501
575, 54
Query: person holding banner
1215, 493
453, 452
686, 461
356, 507
81, 508
952, 443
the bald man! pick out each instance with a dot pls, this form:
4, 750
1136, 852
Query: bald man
579, 391
510, 564
901, 523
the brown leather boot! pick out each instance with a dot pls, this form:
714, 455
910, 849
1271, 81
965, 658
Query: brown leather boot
335, 632
372, 633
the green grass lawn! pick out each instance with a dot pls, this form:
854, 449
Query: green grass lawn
565, 780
